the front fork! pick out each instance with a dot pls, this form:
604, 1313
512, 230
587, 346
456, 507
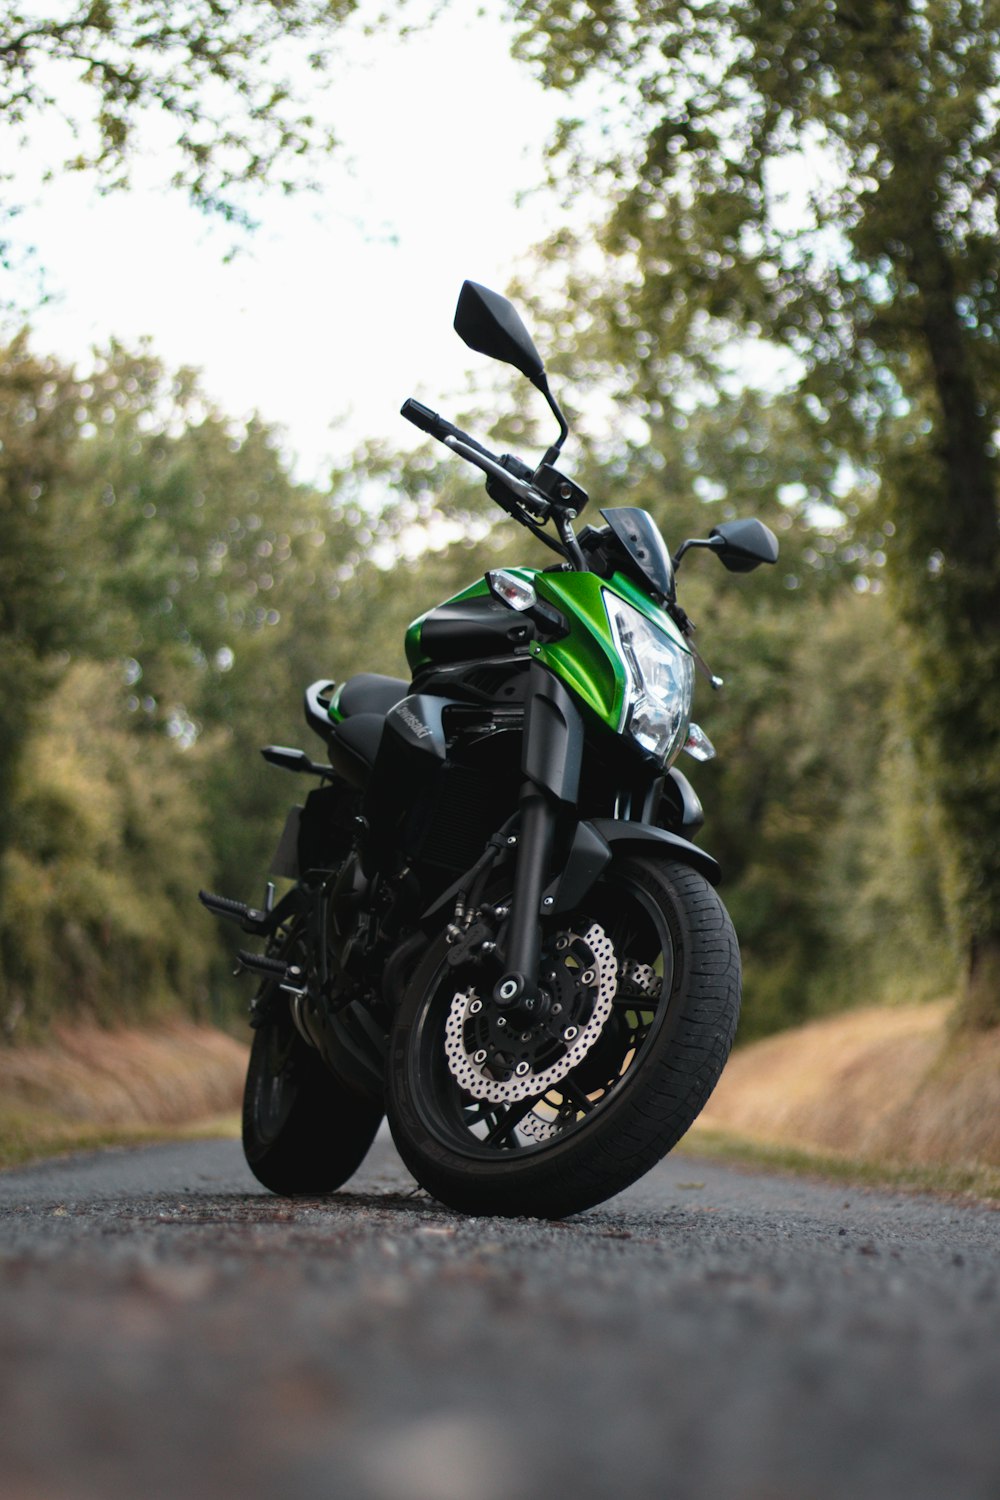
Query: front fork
550, 760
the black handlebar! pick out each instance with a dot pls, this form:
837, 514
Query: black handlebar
510, 481
439, 427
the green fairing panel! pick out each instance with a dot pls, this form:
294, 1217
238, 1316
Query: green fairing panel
586, 659
334, 710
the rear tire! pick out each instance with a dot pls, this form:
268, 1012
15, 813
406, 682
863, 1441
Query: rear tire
614, 1113
303, 1131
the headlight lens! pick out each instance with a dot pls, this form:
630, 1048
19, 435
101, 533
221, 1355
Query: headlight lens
659, 681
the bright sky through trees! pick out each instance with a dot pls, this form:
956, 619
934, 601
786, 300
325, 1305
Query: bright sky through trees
340, 304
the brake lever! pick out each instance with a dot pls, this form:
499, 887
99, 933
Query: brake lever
525, 493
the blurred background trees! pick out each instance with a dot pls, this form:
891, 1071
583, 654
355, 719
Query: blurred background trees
171, 590
824, 178
784, 273
213, 88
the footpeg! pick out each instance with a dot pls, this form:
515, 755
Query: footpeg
289, 976
249, 918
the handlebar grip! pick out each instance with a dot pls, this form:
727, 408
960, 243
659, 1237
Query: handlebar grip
439, 427
425, 419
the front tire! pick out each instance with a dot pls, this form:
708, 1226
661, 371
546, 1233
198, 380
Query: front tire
570, 1133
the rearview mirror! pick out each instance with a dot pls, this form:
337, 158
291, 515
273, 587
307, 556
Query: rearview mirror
491, 325
742, 546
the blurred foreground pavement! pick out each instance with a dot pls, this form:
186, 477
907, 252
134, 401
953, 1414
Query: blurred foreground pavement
168, 1329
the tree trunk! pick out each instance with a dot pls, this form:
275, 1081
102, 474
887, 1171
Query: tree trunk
970, 537
979, 1007
957, 623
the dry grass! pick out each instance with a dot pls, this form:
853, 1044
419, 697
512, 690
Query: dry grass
877, 1086
89, 1086
883, 1094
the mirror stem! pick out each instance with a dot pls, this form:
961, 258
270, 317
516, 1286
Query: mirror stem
710, 542
541, 383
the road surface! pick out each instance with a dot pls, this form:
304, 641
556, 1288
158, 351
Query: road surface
168, 1329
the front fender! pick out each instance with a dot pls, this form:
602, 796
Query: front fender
595, 844
643, 836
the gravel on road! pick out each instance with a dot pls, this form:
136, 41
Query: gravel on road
169, 1329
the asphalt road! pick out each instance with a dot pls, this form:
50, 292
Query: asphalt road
168, 1329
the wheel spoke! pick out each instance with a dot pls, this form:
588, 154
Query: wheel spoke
510, 1118
640, 1002
573, 1094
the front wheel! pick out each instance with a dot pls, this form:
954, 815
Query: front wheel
548, 1118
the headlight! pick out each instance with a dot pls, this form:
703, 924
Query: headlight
659, 680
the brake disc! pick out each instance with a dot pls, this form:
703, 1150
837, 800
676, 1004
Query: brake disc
469, 1068
640, 977
543, 1121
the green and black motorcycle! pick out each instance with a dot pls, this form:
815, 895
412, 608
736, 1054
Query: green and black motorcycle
499, 932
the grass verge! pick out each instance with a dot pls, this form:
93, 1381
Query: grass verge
88, 1088
977, 1183
24, 1140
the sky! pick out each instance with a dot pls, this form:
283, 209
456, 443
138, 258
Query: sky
340, 304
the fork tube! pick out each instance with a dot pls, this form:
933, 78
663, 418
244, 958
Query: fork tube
551, 757
524, 942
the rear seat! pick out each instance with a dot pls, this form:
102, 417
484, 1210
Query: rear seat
371, 693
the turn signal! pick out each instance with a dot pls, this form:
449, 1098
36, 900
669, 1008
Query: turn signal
698, 745
511, 590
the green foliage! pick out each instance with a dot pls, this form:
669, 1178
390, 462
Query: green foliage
831, 836
172, 590
108, 838
39, 422
150, 549
214, 86
825, 177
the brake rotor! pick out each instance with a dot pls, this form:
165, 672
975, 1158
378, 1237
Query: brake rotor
543, 1122
594, 959
640, 977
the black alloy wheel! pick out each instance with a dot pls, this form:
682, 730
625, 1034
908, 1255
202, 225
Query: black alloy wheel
549, 1117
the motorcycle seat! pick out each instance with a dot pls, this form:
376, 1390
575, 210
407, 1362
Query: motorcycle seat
371, 693
357, 740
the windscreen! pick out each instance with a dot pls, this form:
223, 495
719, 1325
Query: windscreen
640, 536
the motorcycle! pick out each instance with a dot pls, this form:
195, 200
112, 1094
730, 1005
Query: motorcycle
500, 933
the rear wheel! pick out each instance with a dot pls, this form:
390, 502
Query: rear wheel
303, 1131
550, 1117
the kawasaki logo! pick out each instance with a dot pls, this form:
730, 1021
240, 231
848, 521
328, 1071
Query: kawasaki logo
411, 721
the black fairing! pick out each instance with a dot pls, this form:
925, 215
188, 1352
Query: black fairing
640, 536
326, 828
680, 806
553, 743
471, 629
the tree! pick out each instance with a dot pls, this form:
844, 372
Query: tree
227, 80
108, 851
151, 556
166, 593
39, 428
881, 275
